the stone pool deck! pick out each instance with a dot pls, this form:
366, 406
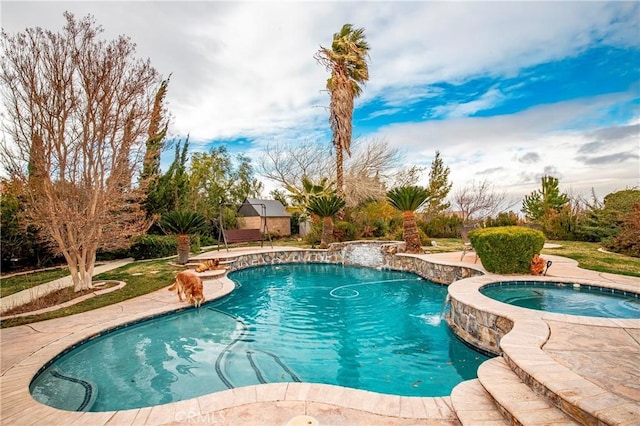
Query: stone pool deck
599, 361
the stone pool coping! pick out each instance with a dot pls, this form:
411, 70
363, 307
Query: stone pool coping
525, 347
25, 349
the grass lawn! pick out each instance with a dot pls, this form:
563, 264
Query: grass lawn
146, 276
141, 278
21, 282
589, 257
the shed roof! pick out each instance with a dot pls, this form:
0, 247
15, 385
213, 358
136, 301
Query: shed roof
274, 208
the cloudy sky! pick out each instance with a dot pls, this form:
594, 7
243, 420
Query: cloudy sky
506, 91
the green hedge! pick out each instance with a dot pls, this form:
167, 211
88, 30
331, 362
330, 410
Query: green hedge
154, 246
507, 249
441, 226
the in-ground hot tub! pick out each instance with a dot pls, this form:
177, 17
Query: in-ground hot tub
566, 298
482, 320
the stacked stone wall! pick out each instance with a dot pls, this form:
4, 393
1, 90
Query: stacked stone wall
478, 328
386, 258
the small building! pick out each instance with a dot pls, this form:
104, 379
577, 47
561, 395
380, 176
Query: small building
255, 213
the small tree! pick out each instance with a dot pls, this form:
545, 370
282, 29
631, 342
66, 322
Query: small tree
439, 187
326, 207
279, 195
183, 225
408, 199
77, 112
169, 191
620, 213
479, 201
301, 198
19, 241
551, 209
540, 202
627, 240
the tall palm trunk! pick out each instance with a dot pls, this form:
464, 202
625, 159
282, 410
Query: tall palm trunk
339, 172
184, 247
341, 121
410, 233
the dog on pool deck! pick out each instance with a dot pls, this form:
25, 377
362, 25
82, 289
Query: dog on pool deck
190, 286
209, 264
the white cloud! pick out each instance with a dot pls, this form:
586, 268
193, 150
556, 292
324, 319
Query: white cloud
246, 69
492, 148
453, 41
487, 100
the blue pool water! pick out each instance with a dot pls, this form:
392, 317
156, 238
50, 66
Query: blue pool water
573, 299
356, 327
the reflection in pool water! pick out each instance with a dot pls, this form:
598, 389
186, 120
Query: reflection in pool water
349, 326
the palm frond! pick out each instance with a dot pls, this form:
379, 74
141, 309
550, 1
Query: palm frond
408, 198
182, 223
326, 205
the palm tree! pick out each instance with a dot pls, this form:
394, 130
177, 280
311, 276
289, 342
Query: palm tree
326, 206
408, 199
347, 62
183, 224
301, 198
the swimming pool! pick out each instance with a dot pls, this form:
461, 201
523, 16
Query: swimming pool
566, 298
321, 323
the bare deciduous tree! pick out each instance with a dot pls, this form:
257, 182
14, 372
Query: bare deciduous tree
480, 201
287, 163
77, 116
371, 170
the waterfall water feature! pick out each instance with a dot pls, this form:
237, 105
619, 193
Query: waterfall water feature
368, 253
363, 255
443, 310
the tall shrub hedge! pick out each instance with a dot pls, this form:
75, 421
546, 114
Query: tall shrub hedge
507, 249
153, 246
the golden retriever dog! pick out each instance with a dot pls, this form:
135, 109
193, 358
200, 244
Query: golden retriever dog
190, 286
209, 265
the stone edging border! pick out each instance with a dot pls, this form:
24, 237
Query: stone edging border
71, 302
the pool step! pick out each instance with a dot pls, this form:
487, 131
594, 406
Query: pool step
474, 406
519, 404
222, 261
195, 262
210, 273
215, 273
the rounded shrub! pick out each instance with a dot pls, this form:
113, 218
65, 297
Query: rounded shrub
507, 249
345, 231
